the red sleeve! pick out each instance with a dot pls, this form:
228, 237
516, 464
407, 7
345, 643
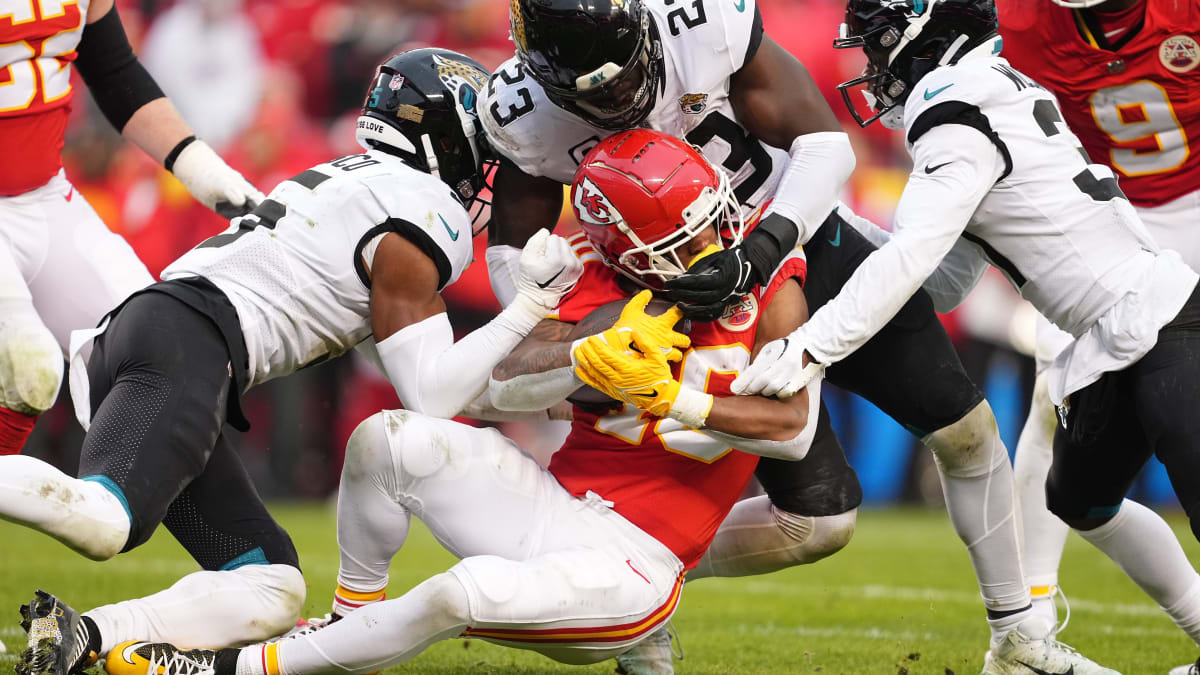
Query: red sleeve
794, 266
597, 287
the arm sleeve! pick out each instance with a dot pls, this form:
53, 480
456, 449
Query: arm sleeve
820, 164
117, 80
534, 391
932, 213
437, 376
953, 279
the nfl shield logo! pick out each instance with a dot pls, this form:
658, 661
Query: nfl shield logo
396, 83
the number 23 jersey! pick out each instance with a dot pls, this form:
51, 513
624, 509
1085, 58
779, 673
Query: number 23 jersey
297, 269
1136, 108
704, 43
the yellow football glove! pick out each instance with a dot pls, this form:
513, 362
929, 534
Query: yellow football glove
657, 330
643, 379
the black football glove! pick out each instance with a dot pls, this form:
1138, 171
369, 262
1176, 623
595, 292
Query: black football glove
712, 283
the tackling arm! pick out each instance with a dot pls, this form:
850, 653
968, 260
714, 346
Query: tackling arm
431, 372
538, 373
133, 103
521, 205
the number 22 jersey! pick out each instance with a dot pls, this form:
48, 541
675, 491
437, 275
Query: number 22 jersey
675, 483
1134, 106
704, 43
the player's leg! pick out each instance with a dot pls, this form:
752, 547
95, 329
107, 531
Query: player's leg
251, 588
30, 360
911, 371
807, 514
1044, 535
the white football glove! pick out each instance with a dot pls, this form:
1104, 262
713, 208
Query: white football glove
549, 269
213, 182
779, 370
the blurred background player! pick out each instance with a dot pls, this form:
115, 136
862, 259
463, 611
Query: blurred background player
1125, 73
708, 72
60, 268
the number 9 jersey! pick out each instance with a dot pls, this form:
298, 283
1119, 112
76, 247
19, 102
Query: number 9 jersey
1135, 106
704, 43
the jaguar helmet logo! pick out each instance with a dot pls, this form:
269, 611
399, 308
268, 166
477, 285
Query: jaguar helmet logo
592, 205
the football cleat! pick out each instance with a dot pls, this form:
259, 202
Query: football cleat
1030, 649
306, 626
653, 655
1189, 669
158, 658
59, 640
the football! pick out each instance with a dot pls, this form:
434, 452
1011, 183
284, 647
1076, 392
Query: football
601, 319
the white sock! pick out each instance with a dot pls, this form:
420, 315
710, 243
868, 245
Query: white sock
372, 525
1145, 548
757, 538
977, 481
81, 514
209, 609
373, 638
1043, 534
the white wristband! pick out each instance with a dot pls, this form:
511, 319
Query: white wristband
691, 407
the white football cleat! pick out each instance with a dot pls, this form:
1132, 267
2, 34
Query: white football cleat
1030, 649
652, 656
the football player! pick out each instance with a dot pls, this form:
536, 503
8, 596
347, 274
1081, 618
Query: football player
60, 266
705, 71
999, 179
1124, 73
351, 249
583, 559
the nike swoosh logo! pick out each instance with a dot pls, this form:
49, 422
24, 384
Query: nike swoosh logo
931, 169
740, 6
837, 237
543, 285
935, 92
1039, 671
127, 653
453, 234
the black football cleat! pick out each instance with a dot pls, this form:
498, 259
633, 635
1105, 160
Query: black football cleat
60, 641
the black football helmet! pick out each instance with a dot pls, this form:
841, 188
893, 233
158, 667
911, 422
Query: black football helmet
905, 39
600, 60
422, 107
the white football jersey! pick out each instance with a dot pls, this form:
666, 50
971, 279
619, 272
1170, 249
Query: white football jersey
297, 269
704, 43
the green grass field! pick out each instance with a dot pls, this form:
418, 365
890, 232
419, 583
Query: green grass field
900, 599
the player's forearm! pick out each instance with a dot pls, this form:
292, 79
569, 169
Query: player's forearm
156, 128
765, 426
819, 167
536, 375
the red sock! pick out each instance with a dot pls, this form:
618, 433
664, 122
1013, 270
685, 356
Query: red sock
15, 428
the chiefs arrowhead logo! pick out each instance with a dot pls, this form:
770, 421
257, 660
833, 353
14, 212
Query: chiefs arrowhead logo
592, 206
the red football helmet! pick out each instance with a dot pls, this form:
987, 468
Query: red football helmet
641, 194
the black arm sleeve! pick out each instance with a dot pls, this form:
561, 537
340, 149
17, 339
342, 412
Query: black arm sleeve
768, 243
756, 36
114, 75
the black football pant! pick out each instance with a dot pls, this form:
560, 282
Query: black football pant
1117, 422
909, 369
159, 382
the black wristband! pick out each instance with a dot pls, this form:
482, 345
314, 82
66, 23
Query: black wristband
768, 243
169, 161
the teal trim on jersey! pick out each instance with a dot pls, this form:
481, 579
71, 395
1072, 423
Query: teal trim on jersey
452, 233
110, 485
740, 5
837, 237
254, 556
1103, 511
998, 47
935, 92
918, 6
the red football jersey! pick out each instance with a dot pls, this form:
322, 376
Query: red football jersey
1135, 108
37, 45
675, 483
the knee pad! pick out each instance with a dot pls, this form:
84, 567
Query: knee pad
969, 447
276, 596
369, 451
31, 363
829, 534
